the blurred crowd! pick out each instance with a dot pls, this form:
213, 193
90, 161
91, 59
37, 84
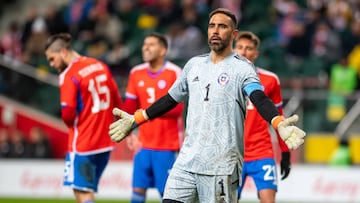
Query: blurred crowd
303, 31
14, 144
316, 39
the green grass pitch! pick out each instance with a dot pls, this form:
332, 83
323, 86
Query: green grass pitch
43, 200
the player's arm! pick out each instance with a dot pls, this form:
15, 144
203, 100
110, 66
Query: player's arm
292, 135
68, 115
130, 105
122, 127
115, 93
68, 98
175, 112
285, 163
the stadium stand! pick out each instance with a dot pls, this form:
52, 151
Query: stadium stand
290, 46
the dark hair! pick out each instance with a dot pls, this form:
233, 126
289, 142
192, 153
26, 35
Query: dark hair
225, 12
250, 36
160, 37
58, 41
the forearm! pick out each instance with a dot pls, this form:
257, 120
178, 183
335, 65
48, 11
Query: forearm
264, 105
160, 107
68, 115
175, 112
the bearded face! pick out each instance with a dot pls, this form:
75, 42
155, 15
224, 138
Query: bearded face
219, 44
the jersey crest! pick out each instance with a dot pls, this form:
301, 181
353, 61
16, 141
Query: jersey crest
223, 78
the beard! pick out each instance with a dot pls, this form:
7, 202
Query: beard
61, 67
219, 47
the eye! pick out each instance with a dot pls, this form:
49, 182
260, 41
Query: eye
222, 26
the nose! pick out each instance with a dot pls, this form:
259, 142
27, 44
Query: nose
241, 52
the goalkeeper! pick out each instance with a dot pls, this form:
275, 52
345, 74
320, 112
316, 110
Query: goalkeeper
209, 165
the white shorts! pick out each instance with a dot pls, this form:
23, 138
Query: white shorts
185, 186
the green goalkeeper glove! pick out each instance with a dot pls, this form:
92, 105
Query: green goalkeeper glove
121, 128
292, 135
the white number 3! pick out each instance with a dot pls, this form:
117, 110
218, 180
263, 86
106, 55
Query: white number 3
97, 88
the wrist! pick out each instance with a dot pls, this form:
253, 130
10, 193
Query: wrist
140, 117
276, 121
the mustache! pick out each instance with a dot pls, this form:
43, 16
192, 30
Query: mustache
215, 38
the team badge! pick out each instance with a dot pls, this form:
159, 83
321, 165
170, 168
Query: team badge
161, 84
141, 83
223, 78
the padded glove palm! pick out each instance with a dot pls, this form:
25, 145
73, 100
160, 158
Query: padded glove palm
122, 127
292, 135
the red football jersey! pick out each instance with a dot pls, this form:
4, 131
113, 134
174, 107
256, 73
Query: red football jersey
258, 143
88, 93
144, 88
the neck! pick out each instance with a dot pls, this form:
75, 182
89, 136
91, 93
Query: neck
71, 56
156, 65
218, 57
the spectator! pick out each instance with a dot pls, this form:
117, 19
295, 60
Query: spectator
19, 147
184, 41
35, 44
39, 144
76, 15
31, 14
343, 81
54, 20
10, 43
354, 55
339, 14
4, 143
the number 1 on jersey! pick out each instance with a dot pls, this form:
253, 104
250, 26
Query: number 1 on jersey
207, 92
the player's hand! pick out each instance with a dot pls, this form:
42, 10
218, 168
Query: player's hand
121, 128
285, 165
133, 143
292, 135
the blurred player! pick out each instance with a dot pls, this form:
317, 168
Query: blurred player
159, 139
216, 85
259, 158
88, 93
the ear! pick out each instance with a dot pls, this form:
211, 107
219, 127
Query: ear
163, 51
63, 53
256, 54
235, 33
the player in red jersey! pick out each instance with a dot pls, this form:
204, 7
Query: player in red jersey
88, 93
259, 161
160, 139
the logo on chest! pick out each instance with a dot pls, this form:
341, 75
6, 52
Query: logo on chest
223, 78
161, 84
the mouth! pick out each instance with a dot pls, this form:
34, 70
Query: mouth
215, 39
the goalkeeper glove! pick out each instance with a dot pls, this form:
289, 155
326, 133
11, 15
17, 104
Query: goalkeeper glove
292, 135
126, 123
285, 165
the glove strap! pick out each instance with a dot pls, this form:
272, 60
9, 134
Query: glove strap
140, 116
276, 120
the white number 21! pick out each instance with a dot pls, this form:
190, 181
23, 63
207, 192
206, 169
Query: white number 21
270, 170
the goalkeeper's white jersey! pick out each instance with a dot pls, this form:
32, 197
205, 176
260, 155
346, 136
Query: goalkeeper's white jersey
214, 142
